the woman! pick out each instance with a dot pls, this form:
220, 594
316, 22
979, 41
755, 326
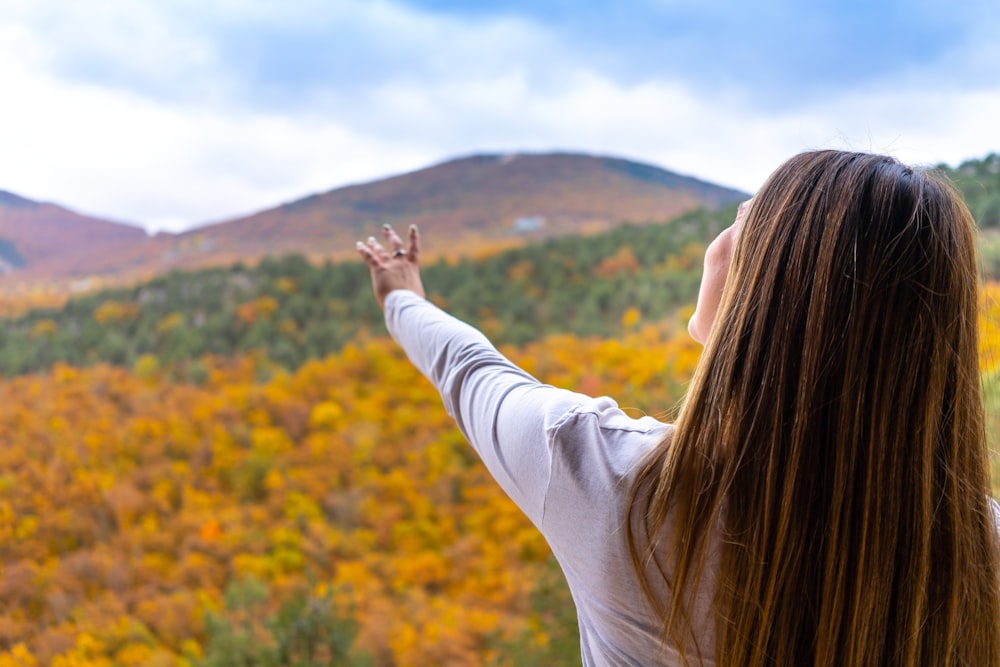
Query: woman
823, 496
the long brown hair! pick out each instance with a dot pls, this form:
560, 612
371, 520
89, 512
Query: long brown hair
832, 439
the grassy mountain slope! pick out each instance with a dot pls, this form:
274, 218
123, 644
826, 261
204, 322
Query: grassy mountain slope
481, 195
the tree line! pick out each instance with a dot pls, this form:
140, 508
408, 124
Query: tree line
294, 311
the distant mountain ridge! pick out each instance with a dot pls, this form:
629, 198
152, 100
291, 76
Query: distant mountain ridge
479, 197
12, 200
38, 236
469, 204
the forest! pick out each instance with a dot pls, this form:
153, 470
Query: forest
236, 466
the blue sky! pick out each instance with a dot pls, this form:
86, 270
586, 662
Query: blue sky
170, 113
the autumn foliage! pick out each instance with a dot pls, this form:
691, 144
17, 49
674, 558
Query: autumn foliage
130, 502
132, 505
173, 514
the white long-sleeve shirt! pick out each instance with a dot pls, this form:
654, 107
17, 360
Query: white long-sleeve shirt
567, 460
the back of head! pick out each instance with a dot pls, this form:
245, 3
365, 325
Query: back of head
833, 434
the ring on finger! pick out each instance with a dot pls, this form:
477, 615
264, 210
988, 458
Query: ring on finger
399, 253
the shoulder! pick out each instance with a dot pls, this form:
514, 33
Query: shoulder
597, 445
596, 451
601, 419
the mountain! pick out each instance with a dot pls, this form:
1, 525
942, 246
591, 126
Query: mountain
480, 198
48, 237
476, 204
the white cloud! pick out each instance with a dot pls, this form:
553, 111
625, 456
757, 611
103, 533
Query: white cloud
722, 138
118, 155
119, 150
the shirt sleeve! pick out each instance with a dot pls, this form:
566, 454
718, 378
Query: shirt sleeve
502, 411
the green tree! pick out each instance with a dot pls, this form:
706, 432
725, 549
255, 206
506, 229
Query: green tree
306, 631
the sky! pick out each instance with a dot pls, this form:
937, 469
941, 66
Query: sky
175, 113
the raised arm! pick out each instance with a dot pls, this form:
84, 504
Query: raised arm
504, 413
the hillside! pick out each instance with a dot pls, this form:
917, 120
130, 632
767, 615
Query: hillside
480, 203
293, 311
485, 197
979, 181
46, 237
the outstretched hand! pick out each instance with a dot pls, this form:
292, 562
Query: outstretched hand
393, 269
